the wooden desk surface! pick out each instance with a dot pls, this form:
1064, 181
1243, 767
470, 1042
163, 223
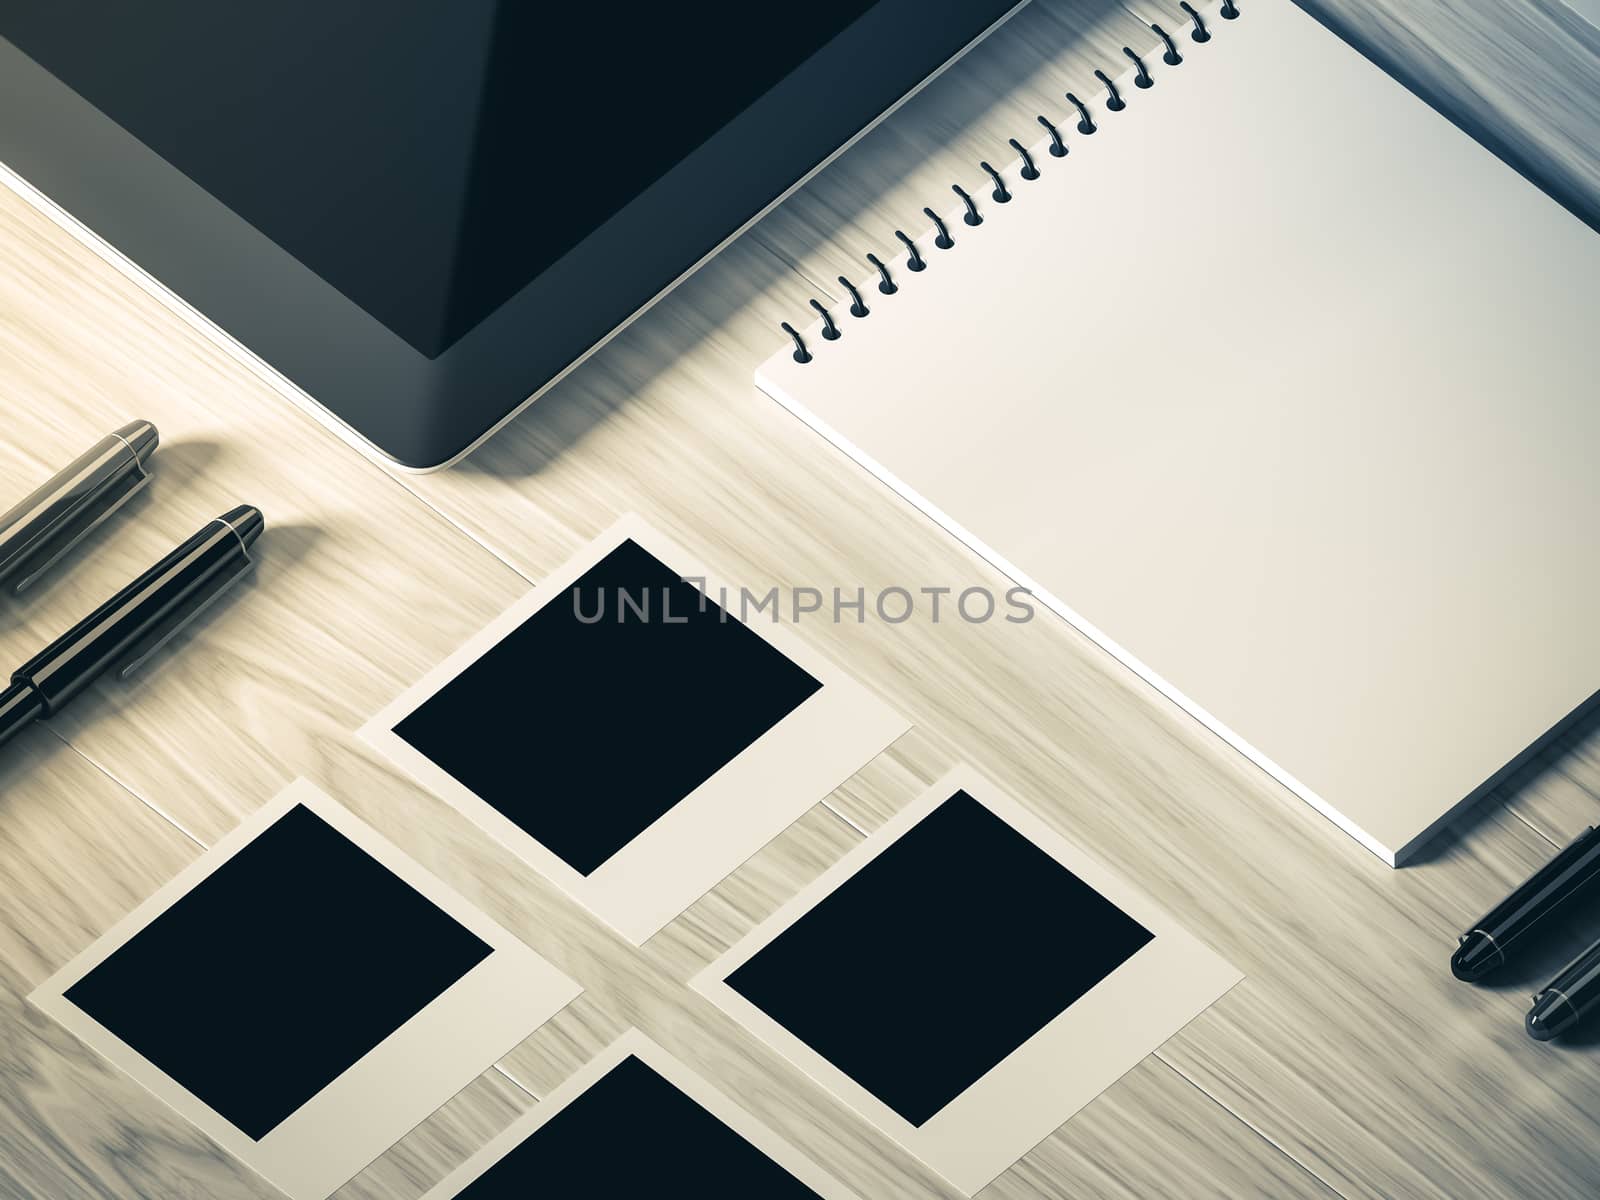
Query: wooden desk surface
1348, 1062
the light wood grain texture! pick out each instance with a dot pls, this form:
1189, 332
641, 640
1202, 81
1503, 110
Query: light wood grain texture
1088, 1156
1348, 1061
443, 1142
78, 852
291, 650
1523, 78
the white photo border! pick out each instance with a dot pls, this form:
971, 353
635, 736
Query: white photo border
1028, 1094
708, 834
393, 1087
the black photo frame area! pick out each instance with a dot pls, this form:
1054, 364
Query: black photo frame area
632, 729
212, 992
304, 993
622, 682
966, 979
1001, 939
679, 1136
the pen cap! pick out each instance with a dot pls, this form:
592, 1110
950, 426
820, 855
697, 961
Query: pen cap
146, 613
60, 513
213, 564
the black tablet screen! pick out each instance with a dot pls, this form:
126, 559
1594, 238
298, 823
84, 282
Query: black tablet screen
426, 159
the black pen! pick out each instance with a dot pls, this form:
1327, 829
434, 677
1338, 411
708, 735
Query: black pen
62, 511
1488, 943
1567, 997
130, 626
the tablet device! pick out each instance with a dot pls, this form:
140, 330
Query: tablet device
421, 215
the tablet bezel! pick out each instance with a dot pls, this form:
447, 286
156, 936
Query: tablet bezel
324, 351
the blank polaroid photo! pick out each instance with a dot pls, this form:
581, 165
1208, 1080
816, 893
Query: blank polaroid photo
966, 979
628, 736
635, 1121
304, 993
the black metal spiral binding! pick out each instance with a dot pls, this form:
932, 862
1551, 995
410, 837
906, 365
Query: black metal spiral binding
1029, 170
1199, 33
1171, 56
1086, 123
1058, 148
830, 331
801, 354
1141, 77
1001, 193
1114, 100
886, 283
972, 216
914, 263
858, 306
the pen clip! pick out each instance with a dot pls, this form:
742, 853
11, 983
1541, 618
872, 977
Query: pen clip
145, 648
79, 527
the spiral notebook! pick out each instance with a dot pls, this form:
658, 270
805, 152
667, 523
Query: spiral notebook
1277, 386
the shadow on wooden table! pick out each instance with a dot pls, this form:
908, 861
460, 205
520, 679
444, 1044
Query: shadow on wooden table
739, 282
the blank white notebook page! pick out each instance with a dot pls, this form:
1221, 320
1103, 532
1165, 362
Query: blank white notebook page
1283, 390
